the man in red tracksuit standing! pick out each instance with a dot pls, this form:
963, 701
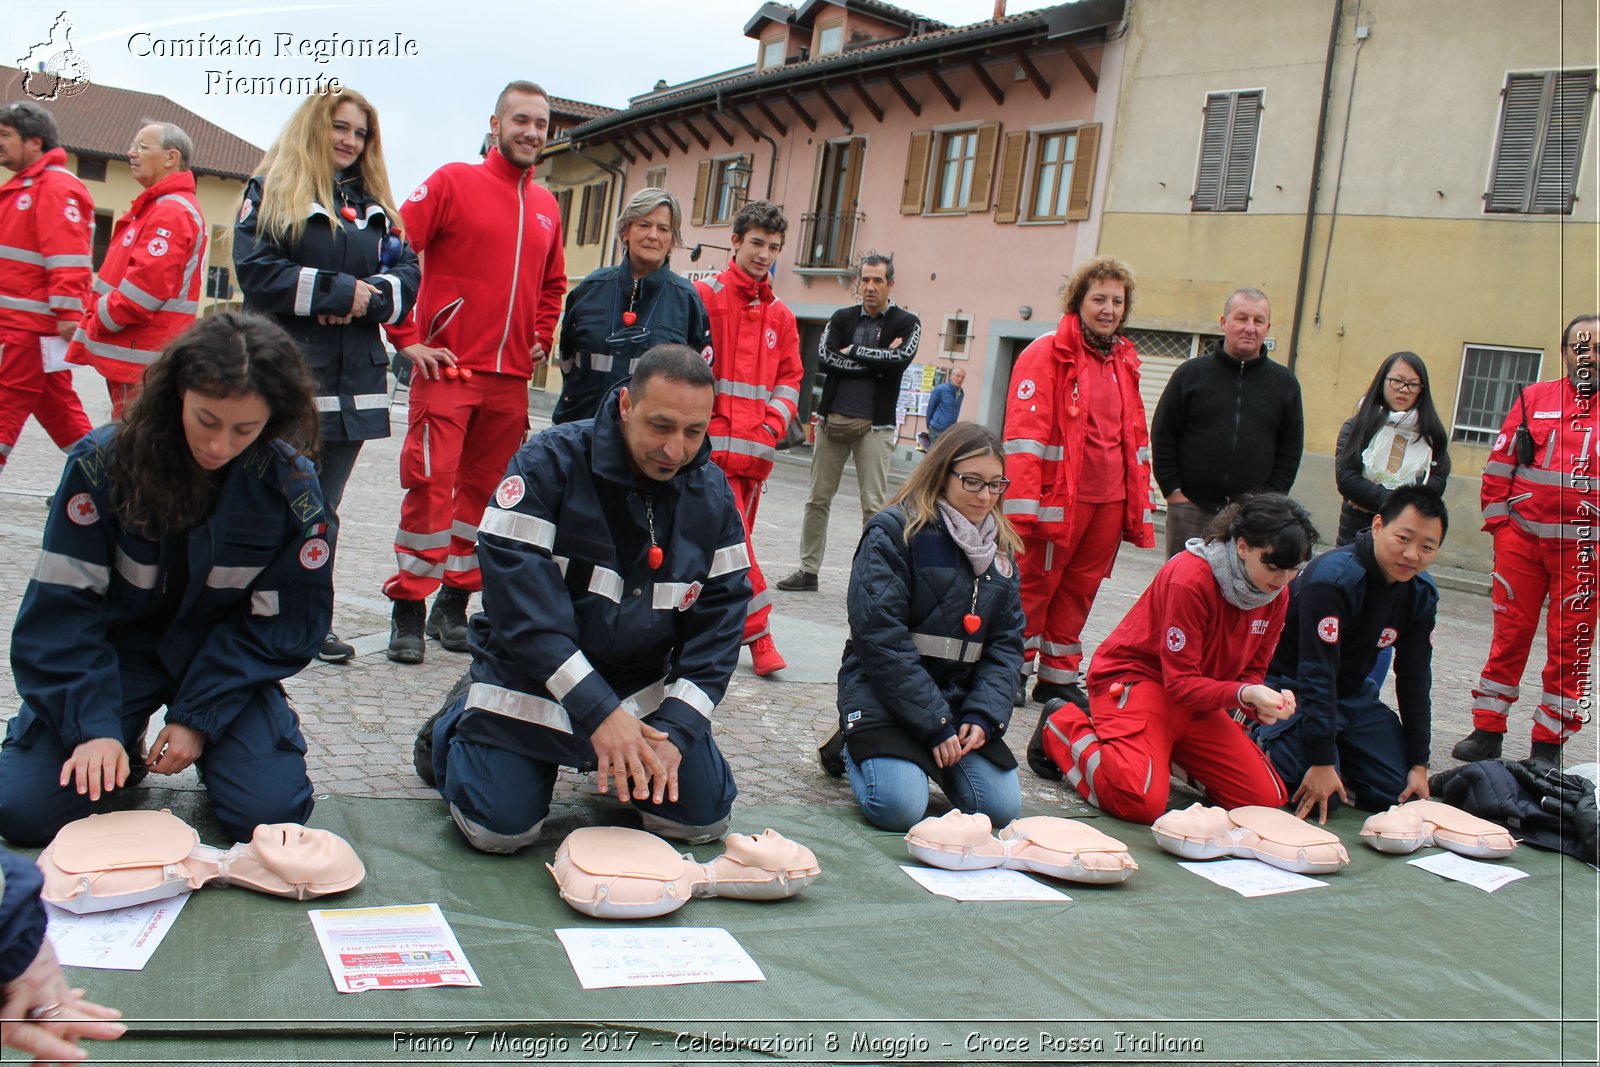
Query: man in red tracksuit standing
46, 235
755, 349
491, 239
149, 287
1541, 504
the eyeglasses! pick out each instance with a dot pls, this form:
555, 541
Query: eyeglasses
1400, 385
139, 149
974, 484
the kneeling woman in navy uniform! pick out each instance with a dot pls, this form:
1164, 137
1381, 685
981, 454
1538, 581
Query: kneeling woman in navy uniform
935, 641
187, 563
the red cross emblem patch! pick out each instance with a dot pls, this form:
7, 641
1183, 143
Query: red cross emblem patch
314, 553
81, 510
1025, 389
1386, 638
1176, 639
690, 595
157, 246
1328, 629
510, 492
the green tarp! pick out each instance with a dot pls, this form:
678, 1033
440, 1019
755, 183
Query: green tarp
1386, 964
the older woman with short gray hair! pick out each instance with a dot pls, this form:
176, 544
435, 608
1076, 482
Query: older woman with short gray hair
619, 312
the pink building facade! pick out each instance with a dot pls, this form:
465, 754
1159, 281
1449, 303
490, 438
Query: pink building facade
975, 156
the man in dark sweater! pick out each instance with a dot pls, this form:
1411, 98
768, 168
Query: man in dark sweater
1229, 423
1343, 608
863, 353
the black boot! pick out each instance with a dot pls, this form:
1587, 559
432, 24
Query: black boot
1478, 745
1020, 697
1548, 751
831, 754
405, 632
448, 619
422, 748
1045, 692
1042, 764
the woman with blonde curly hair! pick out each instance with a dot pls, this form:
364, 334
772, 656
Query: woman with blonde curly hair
1080, 458
935, 642
318, 247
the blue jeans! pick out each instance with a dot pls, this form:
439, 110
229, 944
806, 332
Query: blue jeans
893, 793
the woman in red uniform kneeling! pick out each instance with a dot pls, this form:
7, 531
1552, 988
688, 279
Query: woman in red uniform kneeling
1164, 685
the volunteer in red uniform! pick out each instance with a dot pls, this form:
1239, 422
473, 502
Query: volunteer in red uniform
1196, 645
491, 239
1540, 503
46, 230
148, 291
1080, 468
756, 359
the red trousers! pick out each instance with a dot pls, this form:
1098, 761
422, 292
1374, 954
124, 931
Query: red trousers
1527, 571
747, 496
1122, 760
122, 394
1059, 583
25, 389
462, 436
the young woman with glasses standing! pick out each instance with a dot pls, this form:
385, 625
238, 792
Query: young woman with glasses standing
1395, 438
935, 642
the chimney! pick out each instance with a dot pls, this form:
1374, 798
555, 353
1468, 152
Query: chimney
999, 9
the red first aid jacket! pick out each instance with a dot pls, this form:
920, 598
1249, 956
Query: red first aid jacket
1045, 439
148, 290
46, 236
489, 235
1183, 635
1555, 496
755, 350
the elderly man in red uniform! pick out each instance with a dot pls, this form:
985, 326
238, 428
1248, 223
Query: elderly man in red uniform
1079, 460
1540, 503
46, 232
148, 290
490, 241
755, 355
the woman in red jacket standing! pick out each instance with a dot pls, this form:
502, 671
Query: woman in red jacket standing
1195, 646
1078, 454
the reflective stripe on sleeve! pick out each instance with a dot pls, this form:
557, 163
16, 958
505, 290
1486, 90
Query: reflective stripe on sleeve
515, 526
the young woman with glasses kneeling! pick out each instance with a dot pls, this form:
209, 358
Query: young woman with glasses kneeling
935, 641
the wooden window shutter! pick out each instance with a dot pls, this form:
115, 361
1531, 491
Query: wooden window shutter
983, 167
1555, 179
1241, 159
742, 193
1008, 198
1083, 163
1511, 180
915, 187
1213, 149
597, 208
702, 187
852, 174
583, 215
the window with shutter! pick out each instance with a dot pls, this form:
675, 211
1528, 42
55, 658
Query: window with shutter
911, 194
656, 178
702, 189
1544, 119
1082, 187
1008, 198
1227, 151
595, 224
1491, 375
983, 174
584, 236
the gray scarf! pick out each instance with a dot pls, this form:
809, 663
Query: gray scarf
978, 542
1228, 569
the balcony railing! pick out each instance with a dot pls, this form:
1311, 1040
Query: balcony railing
828, 239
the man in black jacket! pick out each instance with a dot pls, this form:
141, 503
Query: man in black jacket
863, 353
1229, 423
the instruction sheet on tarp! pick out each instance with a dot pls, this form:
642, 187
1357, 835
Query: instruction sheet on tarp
638, 956
408, 946
123, 939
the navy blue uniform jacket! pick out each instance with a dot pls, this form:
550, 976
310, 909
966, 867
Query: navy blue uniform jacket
575, 622
256, 605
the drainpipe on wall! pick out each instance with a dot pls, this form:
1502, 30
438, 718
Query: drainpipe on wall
1316, 175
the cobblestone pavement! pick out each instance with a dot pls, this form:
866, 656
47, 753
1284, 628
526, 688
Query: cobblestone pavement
360, 718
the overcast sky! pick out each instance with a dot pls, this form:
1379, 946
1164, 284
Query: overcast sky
434, 106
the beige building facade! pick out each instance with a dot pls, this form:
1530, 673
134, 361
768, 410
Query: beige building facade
1453, 201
